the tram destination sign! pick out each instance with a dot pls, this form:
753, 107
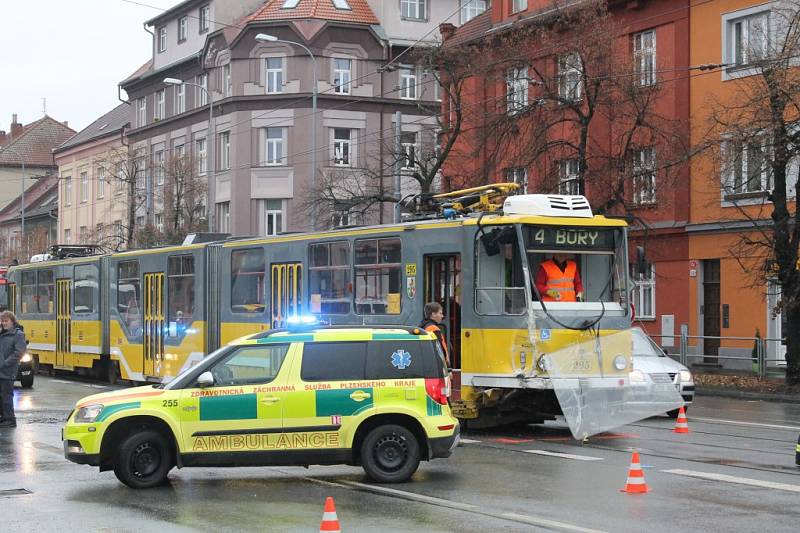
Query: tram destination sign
549, 237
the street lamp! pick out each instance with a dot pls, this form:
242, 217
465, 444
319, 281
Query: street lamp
263, 37
21, 196
212, 183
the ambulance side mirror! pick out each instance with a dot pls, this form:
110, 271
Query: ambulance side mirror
206, 379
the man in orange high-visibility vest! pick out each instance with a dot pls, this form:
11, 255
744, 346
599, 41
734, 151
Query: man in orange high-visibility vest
433, 315
558, 280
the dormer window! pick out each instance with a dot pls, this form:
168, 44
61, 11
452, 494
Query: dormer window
162, 39
290, 4
341, 4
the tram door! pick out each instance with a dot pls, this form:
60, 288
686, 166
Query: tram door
63, 321
286, 291
153, 333
443, 285
12, 297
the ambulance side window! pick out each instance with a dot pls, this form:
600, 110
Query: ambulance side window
333, 361
399, 359
250, 365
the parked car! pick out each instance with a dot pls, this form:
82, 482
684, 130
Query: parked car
649, 358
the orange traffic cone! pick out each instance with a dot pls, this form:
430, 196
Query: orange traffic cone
635, 483
681, 425
330, 522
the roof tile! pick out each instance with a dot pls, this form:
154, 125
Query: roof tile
359, 11
35, 144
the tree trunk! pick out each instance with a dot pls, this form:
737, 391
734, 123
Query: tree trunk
792, 334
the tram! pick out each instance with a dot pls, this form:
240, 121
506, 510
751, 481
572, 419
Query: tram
145, 315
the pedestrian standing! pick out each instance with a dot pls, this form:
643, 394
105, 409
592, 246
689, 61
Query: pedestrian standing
12, 346
434, 314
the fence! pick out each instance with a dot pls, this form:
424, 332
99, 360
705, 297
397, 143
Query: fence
689, 351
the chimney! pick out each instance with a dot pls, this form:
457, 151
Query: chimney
446, 29
2, 137
16, 127
66, 123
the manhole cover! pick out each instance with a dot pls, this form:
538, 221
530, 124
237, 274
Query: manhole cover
14, 492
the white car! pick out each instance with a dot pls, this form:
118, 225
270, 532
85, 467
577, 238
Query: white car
649, 358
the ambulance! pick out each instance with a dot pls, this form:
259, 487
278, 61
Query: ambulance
370, 396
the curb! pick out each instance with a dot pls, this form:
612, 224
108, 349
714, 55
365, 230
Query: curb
745, 395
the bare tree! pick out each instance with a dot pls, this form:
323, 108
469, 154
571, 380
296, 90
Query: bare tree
127, 167
184, 194
753, 141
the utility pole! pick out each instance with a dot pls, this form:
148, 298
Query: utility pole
398, 162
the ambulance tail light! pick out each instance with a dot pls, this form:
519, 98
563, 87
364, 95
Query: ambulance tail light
437, 389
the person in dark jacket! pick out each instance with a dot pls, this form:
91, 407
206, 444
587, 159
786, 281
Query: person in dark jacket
12, 347
434, 314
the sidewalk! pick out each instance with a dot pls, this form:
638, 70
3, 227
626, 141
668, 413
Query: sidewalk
745, 387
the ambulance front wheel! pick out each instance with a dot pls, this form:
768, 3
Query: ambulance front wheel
390, 454
143, 460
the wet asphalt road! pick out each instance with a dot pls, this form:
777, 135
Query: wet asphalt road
735, 471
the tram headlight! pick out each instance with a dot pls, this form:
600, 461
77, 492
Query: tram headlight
26, 358
620, 362
88, 413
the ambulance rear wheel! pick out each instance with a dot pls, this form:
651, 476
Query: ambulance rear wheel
390, 454
143, 460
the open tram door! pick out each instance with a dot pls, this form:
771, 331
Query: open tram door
443, 285
153, 331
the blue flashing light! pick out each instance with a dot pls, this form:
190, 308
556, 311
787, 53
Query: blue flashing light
302, 322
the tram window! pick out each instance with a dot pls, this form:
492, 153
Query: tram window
45, 291
329, 276
500, 280
248, 269
377, 273
180, 291
85, 291
129, 295
600, 275
29, 292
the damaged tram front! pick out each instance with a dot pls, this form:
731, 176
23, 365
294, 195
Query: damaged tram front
538, 347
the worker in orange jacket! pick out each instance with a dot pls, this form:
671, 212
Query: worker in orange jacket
558, 280
434, 314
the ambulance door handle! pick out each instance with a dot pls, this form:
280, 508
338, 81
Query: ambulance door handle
269, 400
360, 395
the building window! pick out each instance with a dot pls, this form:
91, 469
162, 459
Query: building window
341, 147
570, 74
344, 217
83, 235
227, 85
413, 9
118, 231
225, 150
140, 167
747, 167
200, 154
99, 231
518, 175
141, 112
160, 222
273, 217
408, 82
517, 90
273, 66
273, 149
644, 57
201, 92
162, 39
568, 177
342, 74
329, 277
183, 28
377, 273
644, 292
84, 187
67, 236
180, 99
748, 39
644, 176
471, 9
408, 144
341, 4
101, 182
160, 112
205, 18
519, 5
224, 216
68, 191
158, 166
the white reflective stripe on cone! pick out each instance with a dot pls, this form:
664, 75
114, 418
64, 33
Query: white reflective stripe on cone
328, 517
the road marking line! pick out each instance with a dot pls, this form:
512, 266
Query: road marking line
739, 423
734, 479
90, 385
469, 441
526, 519
564, 455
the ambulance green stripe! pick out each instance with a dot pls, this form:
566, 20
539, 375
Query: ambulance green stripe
111, 409
395, 337
235, 407
434, 409
339, 402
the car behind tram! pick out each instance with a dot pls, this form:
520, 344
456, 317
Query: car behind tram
146, 315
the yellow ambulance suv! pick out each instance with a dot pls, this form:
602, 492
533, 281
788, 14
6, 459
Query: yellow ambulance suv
370, 396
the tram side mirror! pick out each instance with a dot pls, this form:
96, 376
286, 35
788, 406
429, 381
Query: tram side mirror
206, 379
642, 266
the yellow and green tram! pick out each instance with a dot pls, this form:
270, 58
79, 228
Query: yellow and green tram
145, 315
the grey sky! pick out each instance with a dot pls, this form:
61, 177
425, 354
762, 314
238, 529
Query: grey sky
74, 53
